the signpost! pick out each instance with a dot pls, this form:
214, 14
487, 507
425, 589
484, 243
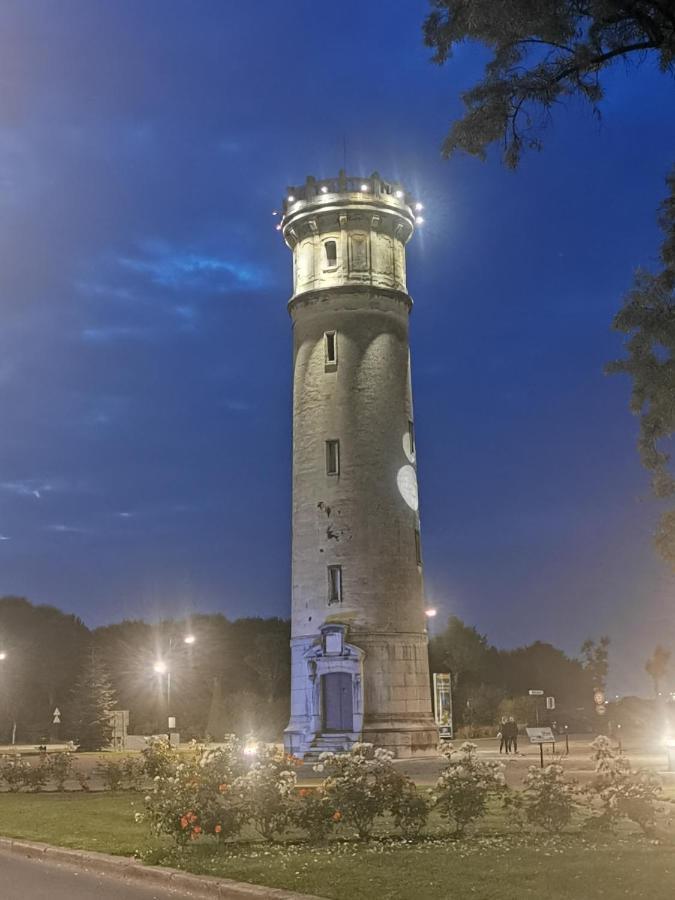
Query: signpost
536, 704
541, 736
56, 721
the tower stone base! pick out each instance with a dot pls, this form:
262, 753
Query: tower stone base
389, 699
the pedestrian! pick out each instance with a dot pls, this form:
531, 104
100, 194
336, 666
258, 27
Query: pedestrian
513, 734
502, 735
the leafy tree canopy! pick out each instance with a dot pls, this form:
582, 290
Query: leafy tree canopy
91, 707
657, 666
648, 321
541, 53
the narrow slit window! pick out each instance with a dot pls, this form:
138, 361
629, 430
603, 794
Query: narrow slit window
330, 341
411, 436
332, 457
418, 547
334, 585
331, 253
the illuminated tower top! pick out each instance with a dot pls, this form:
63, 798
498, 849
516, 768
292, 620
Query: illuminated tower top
348, 231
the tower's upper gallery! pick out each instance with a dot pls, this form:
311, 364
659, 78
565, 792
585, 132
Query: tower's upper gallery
348, 231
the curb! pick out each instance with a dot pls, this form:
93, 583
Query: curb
205, 887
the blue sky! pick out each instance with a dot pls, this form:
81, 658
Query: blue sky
145, 346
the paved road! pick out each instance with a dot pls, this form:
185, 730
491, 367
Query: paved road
36, 879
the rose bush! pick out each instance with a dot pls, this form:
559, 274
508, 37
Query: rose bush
363, 784
314, 813
195, 794
19, 774
265, 791
619, 791
547, 800
465, 785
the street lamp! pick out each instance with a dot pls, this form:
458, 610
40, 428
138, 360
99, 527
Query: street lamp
3, 656
430, 613
161, 667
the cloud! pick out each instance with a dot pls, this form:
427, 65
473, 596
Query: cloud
37, 488
100, 289
104, 333
175, 269
28, 488
66, 529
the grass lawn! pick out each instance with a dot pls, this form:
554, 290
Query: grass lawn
96, 821
508, 867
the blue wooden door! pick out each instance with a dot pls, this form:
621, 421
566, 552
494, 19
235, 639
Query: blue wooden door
338, 714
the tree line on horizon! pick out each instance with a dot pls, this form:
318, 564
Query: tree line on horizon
235, 676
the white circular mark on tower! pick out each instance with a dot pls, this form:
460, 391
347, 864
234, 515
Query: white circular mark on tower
407, 485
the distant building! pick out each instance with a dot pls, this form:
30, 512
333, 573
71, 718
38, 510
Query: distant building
359, 642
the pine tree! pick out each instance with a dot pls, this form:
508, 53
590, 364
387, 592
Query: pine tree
92, 704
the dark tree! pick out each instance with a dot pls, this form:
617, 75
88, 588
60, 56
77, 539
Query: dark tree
541, 54
595, 656
44, 650
92, 703
657, 666
648, 320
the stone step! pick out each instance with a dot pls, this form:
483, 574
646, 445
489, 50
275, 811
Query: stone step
325, 743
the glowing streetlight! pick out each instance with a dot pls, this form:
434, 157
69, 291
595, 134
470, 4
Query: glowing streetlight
160, 667
430, 613
189, 639
3, 656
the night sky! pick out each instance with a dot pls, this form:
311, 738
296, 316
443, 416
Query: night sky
145, 346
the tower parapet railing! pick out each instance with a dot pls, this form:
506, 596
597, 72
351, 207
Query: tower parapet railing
373, 186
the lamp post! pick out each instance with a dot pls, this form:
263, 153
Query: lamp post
162, 667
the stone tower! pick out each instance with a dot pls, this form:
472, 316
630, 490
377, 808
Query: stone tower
359, 643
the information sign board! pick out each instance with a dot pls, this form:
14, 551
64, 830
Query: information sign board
540, 735
443, 705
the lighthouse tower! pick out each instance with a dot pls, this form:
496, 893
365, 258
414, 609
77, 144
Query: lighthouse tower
360, 669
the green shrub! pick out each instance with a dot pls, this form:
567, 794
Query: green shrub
132, 773
360, 785
195, 794
265, 792
314, 813
59, 768
548, 799
619, 791
159, 757
18, 774
409, 808
465, 785
111, 774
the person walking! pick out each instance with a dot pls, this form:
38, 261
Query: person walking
512, 726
